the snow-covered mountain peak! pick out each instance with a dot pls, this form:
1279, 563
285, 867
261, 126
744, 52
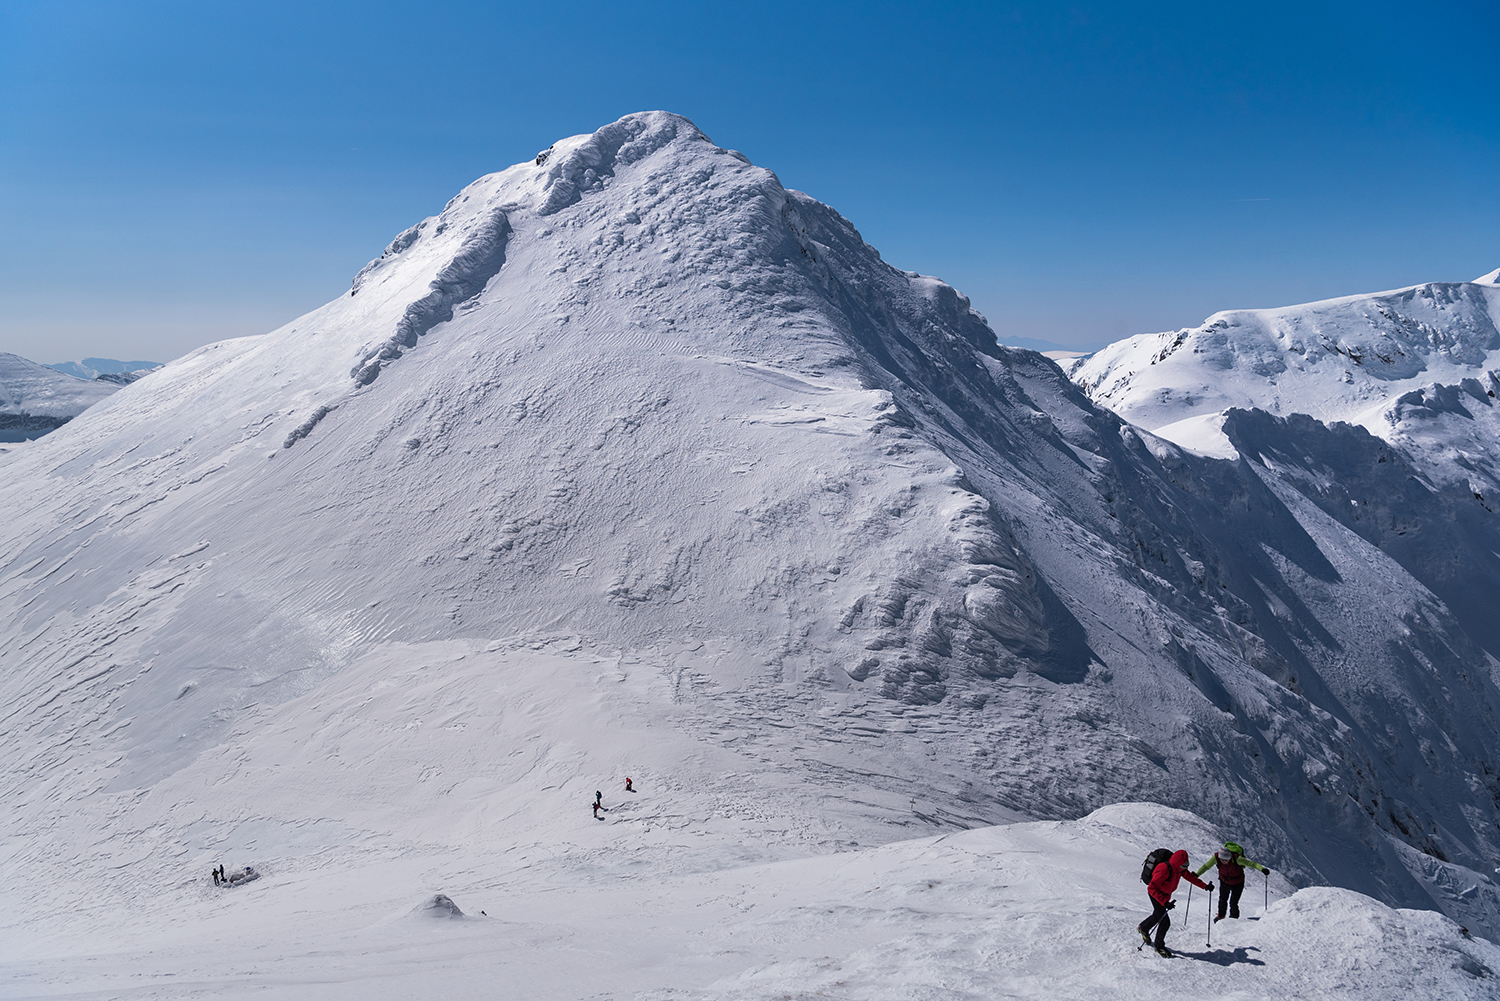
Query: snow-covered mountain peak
632, 461
1339, 359
648, 188
1416, 368
1493, 278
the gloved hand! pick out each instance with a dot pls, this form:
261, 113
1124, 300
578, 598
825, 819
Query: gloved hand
1210, 888
1171, 904
1266, 869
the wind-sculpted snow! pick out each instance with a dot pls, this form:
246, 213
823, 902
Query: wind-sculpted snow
666, 474
478, 259
586, 166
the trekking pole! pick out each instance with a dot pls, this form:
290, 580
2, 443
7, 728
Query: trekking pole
1267, 904
1188, 911
1210, 912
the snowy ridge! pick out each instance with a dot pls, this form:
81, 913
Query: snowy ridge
1337, 360
662, 472
1418, 367
1033, 911
106, 369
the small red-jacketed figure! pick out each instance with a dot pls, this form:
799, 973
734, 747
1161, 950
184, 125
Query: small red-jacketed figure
628, 786
1164, 879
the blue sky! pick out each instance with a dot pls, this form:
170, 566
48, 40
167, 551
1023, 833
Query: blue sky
176, 173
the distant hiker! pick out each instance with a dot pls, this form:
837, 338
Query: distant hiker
215, 872
598, 798
219, 878
628, 787
596, 810
1163, 883
1232, 863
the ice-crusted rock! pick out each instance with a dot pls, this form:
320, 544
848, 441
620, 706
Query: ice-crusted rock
478, 259
439, 905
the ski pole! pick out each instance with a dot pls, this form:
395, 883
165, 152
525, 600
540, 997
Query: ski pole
1188, 911
1267, 904
1210, 912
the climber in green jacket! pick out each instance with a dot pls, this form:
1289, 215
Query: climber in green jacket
1232, 864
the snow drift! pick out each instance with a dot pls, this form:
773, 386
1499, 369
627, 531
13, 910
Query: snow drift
633, 459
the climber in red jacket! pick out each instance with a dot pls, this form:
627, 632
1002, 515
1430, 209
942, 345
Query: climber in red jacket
1163, 884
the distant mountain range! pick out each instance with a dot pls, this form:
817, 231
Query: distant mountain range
94, 368
37, 399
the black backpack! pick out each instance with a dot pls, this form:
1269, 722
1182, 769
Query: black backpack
1153, 860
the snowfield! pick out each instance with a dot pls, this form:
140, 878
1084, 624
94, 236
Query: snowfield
1033, 910
632, 463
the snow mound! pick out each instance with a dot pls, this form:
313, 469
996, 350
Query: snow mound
439, 905
240, 877
1203, 435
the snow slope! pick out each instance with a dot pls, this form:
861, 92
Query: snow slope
34, 399
1039, 910
632, 461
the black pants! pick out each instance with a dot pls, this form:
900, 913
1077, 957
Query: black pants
1162, 922
1229, 893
